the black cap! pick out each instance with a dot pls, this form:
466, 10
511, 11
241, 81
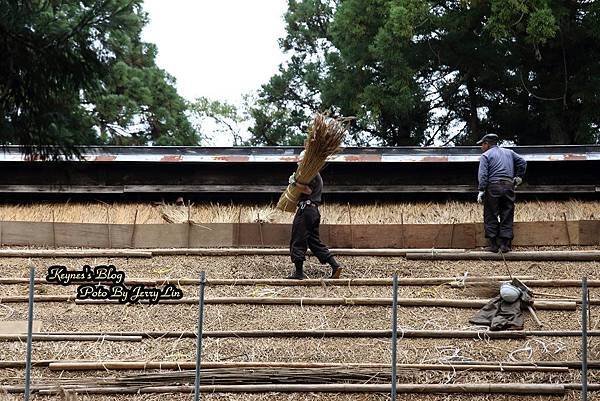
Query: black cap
490, 138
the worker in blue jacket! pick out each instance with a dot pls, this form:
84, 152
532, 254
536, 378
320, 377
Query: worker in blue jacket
500, 172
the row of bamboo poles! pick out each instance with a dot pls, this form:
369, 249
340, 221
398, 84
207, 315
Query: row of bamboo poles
417, 388
229, 378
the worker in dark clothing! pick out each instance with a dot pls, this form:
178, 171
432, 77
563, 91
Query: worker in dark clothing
305, 229
500, 171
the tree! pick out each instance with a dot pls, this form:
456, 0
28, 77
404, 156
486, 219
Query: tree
423, 72
77, 73
225, 117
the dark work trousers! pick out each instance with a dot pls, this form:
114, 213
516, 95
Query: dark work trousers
499, 210
305, 234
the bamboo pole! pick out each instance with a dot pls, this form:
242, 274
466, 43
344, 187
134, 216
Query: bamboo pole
388, 252
188, 365
403, 333
419, 388
351, 227
189, 223
53, 230
73, 253
567, 228
69, 337
541, 304
402, 227
345, 282
567, 256
108, 227
535, 282
22, 364
132, 240
149, 252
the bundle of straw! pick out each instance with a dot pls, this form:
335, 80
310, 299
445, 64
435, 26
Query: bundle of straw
324, 138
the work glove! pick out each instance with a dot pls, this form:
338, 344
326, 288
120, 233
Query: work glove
517, 181
292, 179
480, 196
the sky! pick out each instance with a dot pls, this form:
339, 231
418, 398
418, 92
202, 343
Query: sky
221, 49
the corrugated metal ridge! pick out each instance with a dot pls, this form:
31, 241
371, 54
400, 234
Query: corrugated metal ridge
290, 154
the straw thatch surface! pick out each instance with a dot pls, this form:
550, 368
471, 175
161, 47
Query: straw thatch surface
71, 317
332, 213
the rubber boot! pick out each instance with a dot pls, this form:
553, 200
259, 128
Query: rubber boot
505, 245
336, 269
299, 272
493, 246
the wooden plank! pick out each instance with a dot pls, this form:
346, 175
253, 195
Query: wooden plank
96, 235
19, 326
430, 236
480, 233
340, 236
589, 232
161, 235
270, 235
402, 236
211, 235
549, 233
538, 233
370, 235
27, 233
120, 235
83, 235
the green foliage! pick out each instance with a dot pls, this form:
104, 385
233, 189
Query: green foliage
423, 72
226, 117
76, 73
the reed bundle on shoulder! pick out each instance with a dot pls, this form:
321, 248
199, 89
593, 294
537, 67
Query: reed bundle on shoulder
324, 139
